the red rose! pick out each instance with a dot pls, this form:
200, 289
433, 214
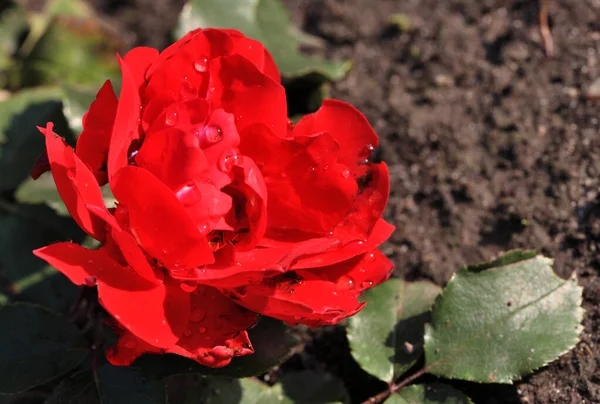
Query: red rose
225, 210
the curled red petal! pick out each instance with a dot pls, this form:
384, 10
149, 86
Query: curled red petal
234, 268
237, 86
216, 331
42, 165
159, 221
80, 264
93, 142
125, 129
347, 125
381, 232
127, 246
214, 334
356, 274
312, 302
75, 183
139, 59
157, 316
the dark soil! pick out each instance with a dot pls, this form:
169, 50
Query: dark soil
491, 146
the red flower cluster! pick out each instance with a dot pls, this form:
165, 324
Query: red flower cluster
225, 209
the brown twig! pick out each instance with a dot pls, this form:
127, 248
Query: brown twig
545, 29
395, 387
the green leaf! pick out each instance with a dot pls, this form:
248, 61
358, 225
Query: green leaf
502, 323
20, 141
433, 393
36, 346
72, 51
110, 385
386, 337
305, 387
272, 344
13, 22
43, 191
266, 21
23, 276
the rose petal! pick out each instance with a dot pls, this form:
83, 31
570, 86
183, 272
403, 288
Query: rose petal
237, 86
357, 274
381, 232
347, 125
75, 183
80, 264
311, 302
308, 190
93, 143
139, 60
216, 331
159, 221
157, 316
173, 156
214, 334
125, 129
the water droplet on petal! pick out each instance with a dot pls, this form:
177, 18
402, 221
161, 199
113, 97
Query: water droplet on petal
345, 282
290, 125
71, 173
164, 322
187, 333
366, 284
241, 291
131, 343
370, 257
312, 169
201, 65
229, 160
171, 117
213, 134
345, 173
221, 352
202, 330
197, 315
91, 281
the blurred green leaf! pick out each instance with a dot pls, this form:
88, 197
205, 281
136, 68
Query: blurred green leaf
266, 21
110, 385
71, 51
13, 22
43, 191
432, 393
501, 323
307, 387
272, 344
23, 276
20, 141
36, 346
386, 337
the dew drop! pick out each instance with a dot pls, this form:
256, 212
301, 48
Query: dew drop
213, 134
290, 125
325, 167
91, 281
187, 333
130, 344
370, 257
229, 160
345, 282
201, 65
345, 173
312, 169
221, 352
366, 284
202, 330
71, 173
197, 315
171, 117
164, 322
